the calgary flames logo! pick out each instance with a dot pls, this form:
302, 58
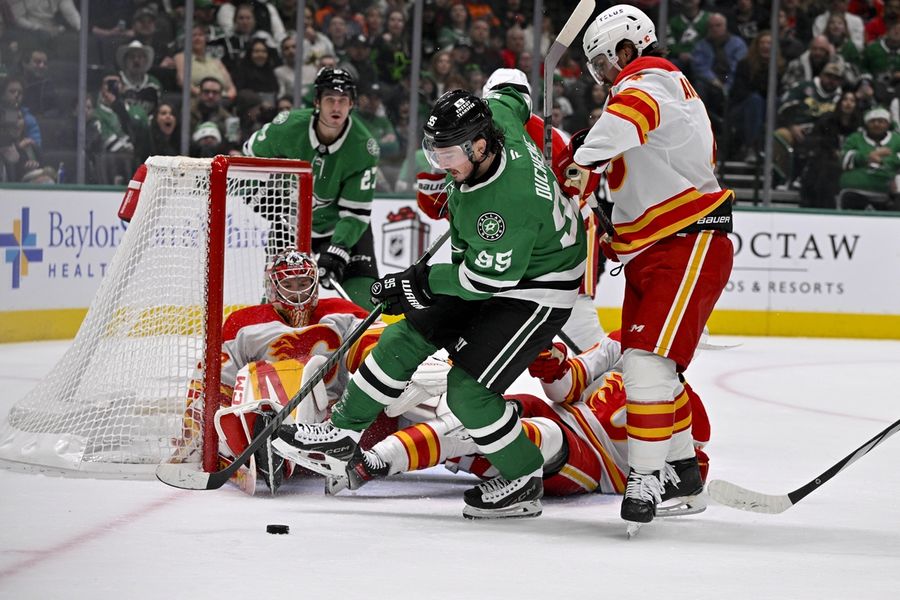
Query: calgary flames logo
317, 339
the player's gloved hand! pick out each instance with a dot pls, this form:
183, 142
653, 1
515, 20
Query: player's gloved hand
332, 263
551, 364
404, 291
607, 249
573, 178
431, 195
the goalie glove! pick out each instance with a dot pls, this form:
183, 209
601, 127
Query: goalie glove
431, 195
574, 179
405, 291
551, 364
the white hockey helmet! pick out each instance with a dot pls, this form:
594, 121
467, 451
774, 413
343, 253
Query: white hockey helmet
621, 22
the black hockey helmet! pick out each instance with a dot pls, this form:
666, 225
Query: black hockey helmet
330, 78
458, 117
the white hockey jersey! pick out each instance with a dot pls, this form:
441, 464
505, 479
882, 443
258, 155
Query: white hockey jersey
656, 144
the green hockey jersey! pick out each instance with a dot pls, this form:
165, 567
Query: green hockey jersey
859, 172
515, 235
344, 172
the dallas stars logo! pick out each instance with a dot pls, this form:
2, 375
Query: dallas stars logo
490, 226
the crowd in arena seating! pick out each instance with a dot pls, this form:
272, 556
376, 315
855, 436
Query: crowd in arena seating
838, 79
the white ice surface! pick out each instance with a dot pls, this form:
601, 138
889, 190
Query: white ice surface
782, 411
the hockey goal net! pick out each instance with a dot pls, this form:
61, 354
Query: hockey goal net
195, 250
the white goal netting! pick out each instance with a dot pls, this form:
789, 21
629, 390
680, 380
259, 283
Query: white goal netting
115, 403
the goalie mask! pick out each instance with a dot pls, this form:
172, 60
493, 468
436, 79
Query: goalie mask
608, 30
458, 119
292, 286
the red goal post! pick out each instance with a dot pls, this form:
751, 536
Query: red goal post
125, 395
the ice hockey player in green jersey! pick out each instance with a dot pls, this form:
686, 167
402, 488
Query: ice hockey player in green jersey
518, 255
344, 158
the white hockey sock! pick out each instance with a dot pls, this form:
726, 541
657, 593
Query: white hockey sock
549, 438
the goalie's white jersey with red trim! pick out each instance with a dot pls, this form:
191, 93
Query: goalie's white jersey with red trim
259, 333
655, 141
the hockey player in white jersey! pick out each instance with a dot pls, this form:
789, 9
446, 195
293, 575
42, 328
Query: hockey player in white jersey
671, 218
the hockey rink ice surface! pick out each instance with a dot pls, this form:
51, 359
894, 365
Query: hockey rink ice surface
782, 411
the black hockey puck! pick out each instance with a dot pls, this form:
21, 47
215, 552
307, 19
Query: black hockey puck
278, 529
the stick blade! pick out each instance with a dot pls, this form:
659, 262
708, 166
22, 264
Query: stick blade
184, 477
735, 496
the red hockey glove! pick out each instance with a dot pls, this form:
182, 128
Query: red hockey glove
574, 179
551, 364
430, 194
607, 249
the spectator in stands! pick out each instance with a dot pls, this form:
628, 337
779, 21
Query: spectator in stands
21, 157
40, 92
871, 160
746, 18
797, 20
203, 67
256, 71
483, 54
809, 64
461, 55
819, 181
252, 113
208, 106
748, 95
839, 38
284, 103
315, 45
457, 27
855, 24
441, 70
206, 141
370, 112
45, 19
339, 36
287, 10
548, 34
12, 93
392, 53
685, 30
374, 22
205, 17
512, 13
242, 35
865, 94
124, 131
284, 73
713, 62
265, 19
878, 26
358, 62
802, 105
340, 8
515, 45
881, 58
788, 38
475, 80
146, 31
138, 87
165, 139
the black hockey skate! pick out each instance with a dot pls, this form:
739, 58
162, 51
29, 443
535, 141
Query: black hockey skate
319, 447
683, 486
642, 493
499, 498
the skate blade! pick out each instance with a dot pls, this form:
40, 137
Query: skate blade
316, 462
682, 507
335, 484
516, 511
632, 529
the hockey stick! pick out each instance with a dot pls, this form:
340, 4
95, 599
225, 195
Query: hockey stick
735, 496
186, 477
563, 40
337, 287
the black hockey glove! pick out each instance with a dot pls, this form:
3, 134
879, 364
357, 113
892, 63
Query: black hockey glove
332, 263
404, 291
